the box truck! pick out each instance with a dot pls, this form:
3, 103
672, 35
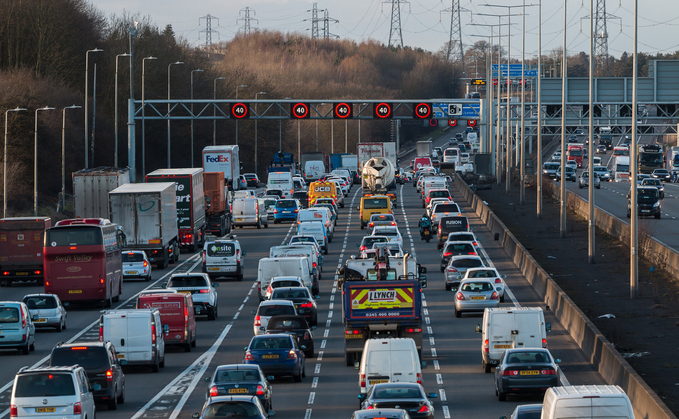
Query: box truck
91, 188
223, 158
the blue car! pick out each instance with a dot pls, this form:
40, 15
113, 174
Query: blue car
276, 355
286, 210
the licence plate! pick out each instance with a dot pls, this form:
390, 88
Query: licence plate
502, 346
239, 219
45, 409
286, 212
22, 273
478, 298
185, 292
645, 210
130, 272
75, 291
353, 336
214, 269
269, 356
530, 372
40, 321
121, 356
378, 381
237, 390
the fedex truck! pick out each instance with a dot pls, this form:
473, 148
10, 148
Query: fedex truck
223, 158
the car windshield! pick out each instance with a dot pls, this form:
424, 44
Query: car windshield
661, 172
38, 303
467, 263
236, 375
652, 182
397, 393
231, 409
600, 169
551, 166
286, 203
527, 357
267, 342
276, 310
285, 294
221, 249
477, 286
648, 193
186, 281
9, 315
90, 358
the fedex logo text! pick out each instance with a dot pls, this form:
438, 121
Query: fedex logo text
217, 159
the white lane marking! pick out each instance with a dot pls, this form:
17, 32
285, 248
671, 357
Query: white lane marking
511, 296
431, 341
317, 370
437, 367
326, 333
327, 323
442, 395
562, 378
241, 307
429, 330
323, 343
314, 382
439, 379
425, 311
330, 313
424, 303
426, 319
319, 356
332, 297
433, 352
312, 397
235, 316
331, 305
307, 415
446, 412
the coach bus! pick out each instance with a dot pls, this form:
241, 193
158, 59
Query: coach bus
83, 260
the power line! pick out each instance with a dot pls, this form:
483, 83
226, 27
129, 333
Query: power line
395, 32
246, 20
314, 20
208, 28
326, 25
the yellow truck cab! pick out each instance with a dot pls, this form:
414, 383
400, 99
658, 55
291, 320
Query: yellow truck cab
373, 204
322, 190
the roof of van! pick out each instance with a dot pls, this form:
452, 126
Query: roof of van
576, 392
511, 309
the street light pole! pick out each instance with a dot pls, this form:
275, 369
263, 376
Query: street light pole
280, 129
564, 74
143, 115
256, 118
168, 110
115, 153
634, 227
214, 112
131, 140
242, 85
4, 176
63, 155
87, 67
35, 161
192, 117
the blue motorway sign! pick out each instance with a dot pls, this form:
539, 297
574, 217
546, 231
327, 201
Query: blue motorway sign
470, 110
514, 71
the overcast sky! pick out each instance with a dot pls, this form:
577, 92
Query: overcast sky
425, 23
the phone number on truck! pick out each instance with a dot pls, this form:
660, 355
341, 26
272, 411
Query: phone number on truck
383, 314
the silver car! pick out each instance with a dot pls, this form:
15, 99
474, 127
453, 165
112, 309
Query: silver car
493, 275
584, 180
136, 265
475, 295
46, 310
603, 173
457, 267
202, 290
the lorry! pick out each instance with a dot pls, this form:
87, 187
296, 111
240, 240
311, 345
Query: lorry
313, 165
366, 151
190, 204
620, 169
650, 158
147, 212
217, 205
283, 159
672, 159
336, 160
576, 152
21, 248
380, 298
378, 176
91, 188
424, 148
350, 161
223, 158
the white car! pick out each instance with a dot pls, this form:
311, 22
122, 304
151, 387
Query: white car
492, 274
136, 265
202, 290
282, 281
268, 309
46, 310
391, 232
435, 201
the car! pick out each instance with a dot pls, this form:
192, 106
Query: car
662, 174
286, 210
233, 406
603, 173
572, 163
525, 370
570, 174
240, 379
466, 236
391, 232
302, 197
282, 281
648, 202
46, 310
444, 209
455, 248
491, 273
278, 192
394, 249
136, 265
202, 290
556, 156
251, 179
641, 177
526, 411
475, 295
380, 414
549, 169
240, 183
381, 220
328, 201
647, 182
305, 239
296, 326
268, 309
244, 194
407, 396
368, 241
584, 180
53, 392
100, 361
269, 205
435, 201
277, 355
572, 139
304, 302
457, 267
224, 258
459, 137
601, 149
18, 329
333, 210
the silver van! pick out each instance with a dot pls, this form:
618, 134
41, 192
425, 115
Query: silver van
249, 212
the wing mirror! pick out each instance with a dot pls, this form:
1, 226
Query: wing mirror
503, 276
548, 327
557, 361
477, 328
164, 286
215, 284
207, 379
357, 365
244, 254
253, 312
432, 395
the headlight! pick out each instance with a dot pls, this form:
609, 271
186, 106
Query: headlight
656, 205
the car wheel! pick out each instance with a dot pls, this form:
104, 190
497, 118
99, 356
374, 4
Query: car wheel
275, 221
259, 223
113, 402
362, 226
162, 363
502, 298
148, 278
349, 359
59, 327
211, 314
458, 313
187, 347
266, 225
447, 287
298, 377
501, 396
64, 325
26, 349
304, 370
239, 278
486, 367
121, 398
155, 368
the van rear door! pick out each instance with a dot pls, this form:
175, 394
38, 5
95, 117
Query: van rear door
139, 341
403, 366
500, 334
115, 330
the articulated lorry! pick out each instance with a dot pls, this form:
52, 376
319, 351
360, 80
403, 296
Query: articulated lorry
21, 248
313, 165
650, 158
378, 176
225, 159
217, 206
91, 188
147, 212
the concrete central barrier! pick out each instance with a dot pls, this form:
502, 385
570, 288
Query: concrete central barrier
600, 352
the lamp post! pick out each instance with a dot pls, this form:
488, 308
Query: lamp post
115, 152
192, 71
87, 66
256, 118
168, 110
35, 161
4, 176
214, 112
280, 129
63, 155
131, 125
242, 85
143, 116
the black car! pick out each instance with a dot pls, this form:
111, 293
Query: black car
662, 174
302, 299
648, 202
456, 248
233, 407
356, 178
459, 136
302, 197
296, 325
100, 361
251, 179
241, 379
525, 371
407, 396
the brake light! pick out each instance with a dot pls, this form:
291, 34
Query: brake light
101, 333
362, 379
292, 354
237, 256
275, 211
510, 372
296, 211
213, 391
446, 254
369, 407
101, 280
362, 248
77, 408
419, 378
13, 411
256, 209
494, 296
306, 335
258, 321
23, 320
451, 269
549, 371
417, 330
260, 390
352, 332
371, 225
269, 290
38, 272
306, 305
79, 348
393, 223
204, 291
186, 315
153, 333
109, 375
459, 296
204, 257
544, 343
5, 273
313, 264
423, 409
472, 253
498, 281
485, 346
248, 356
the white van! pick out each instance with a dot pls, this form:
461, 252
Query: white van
249, 212
511, 327
586, 402
285, 266
321, 214
301, 251
451, 155
390, 360
316, 229
283, 181
136, 335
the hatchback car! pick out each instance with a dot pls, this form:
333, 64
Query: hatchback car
475, 295
456, 248
240, 183
277, 354
240, 379
46, 310
368, 241
525, 370
233, 406
251, 179
662, 174
223, 258
584, 180
100, 361
202, 290
286, 210
465, 236
407, 396
268, 309
302, 197
296, 326
380, 413
570, 174
603, 173
305, 239
549, 169
302, 299
492, 274
17, 327
390, 232
657, 183
601, 149
643, 176
526, 411
380, 220
270, 205
282, 282
136, 265
457, 267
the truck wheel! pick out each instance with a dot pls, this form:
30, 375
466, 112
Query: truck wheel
187, 347
349, 359
267, 224
259, 223
155, 368
501, 397
362, 226
113, 401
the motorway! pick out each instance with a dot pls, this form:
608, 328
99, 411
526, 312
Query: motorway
451, 348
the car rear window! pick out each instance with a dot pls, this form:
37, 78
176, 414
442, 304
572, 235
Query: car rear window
282, 284
398, 393
186, 281
231, 409
477, 286
287, 324
389, 233
285, 294
38, 303
467, 263
375, 203
461, 237
44, 385
381, 217
528, 357
482, 274
460, 248
438, 194
276, 310
88, 357
271, 343
221, 249
369, 241
286, 203
446, 208
237, 375
9, 315
133, 257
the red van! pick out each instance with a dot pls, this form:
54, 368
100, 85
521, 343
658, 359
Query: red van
176, 311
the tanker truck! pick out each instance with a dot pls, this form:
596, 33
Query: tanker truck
378, 177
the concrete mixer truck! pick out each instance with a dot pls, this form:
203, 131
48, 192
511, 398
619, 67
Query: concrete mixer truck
378, 177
